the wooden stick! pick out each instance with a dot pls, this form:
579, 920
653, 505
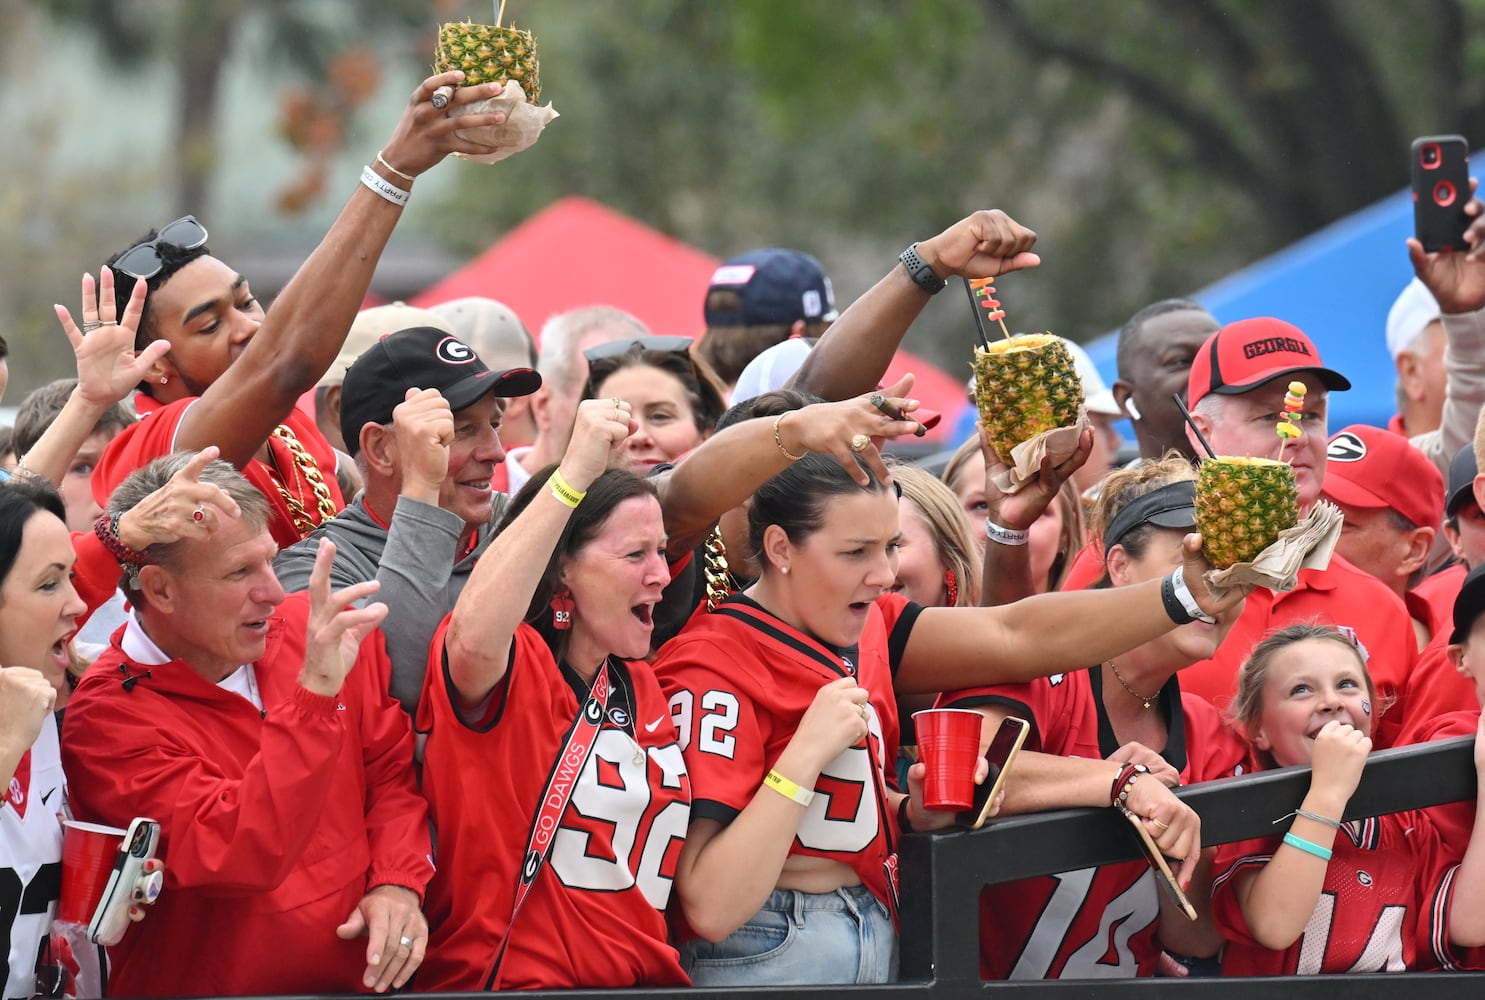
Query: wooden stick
499, 13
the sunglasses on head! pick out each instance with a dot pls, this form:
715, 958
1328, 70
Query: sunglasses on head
619, 348
143, 259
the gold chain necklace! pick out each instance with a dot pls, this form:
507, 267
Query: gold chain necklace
719, 581
306, 474
1148, 699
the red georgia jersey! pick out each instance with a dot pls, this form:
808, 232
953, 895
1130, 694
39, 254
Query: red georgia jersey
740, 680
595, 916
1384, 903
1093, 923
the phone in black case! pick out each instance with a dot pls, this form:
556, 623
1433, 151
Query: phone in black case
1441, 189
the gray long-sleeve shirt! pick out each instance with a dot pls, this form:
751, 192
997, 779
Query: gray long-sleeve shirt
416, 563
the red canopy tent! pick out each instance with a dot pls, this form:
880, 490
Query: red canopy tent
577, 253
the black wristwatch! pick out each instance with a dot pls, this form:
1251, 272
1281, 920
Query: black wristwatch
920, 272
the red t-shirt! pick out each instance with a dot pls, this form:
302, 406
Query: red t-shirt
740, 681
1437, 593
595, 915
139, 444
1096, 922
1383, 907
1434, 689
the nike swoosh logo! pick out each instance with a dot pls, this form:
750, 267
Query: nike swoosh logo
651, 727
47, 797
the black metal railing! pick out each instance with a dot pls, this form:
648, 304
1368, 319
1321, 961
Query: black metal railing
942, 876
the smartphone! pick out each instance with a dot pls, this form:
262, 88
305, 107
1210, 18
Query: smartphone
1441, 189
1002, 750
1157, 862
111, 918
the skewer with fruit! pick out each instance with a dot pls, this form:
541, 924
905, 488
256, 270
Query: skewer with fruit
1024, 385
1242, 504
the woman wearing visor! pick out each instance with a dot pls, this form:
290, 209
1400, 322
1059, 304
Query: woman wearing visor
1090, 731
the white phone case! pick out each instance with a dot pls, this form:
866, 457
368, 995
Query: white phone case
111, 918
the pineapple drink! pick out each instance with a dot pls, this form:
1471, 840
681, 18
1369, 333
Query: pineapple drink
488, 54
1241, 506
1023, 386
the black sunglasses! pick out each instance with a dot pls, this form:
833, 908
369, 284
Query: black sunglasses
143, 259
619, 348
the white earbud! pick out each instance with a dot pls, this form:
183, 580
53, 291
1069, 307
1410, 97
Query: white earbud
1131, 409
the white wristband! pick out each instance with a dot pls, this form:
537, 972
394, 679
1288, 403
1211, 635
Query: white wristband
384, 187
1005, 536
1183, 594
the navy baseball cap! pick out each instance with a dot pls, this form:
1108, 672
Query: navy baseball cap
777, 287
422, 357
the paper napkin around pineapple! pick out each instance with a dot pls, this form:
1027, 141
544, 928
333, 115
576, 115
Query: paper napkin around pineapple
1026, 457
1307, 545
523, 124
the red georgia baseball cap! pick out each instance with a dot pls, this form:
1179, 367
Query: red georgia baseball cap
1369, 467
1250, 352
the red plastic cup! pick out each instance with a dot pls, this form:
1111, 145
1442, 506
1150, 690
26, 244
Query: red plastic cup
88, 853
948, 745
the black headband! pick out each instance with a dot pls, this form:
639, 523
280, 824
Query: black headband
1172, 506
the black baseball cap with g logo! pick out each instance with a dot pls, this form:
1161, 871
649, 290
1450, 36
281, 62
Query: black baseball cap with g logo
423, 358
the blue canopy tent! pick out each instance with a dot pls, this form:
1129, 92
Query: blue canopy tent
1336, 285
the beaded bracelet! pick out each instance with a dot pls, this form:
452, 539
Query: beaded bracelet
107, 530
1124, 782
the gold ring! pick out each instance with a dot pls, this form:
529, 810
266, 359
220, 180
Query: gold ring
859, 442
1160, 823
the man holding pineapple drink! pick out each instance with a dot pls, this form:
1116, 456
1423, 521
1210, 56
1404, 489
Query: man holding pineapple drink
1237, 392
249, 368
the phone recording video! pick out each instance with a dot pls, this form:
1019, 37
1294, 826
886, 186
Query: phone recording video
1002, 751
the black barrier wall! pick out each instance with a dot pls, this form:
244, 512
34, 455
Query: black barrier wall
942, 876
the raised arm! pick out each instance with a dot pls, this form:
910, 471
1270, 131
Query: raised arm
731, 465
855, 352
494, 601
107, 372
1007, 564
1046, 634
311, 317
1457, 282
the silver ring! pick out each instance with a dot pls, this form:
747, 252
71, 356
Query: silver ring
198, 515
859, 442
89, 325
406, 942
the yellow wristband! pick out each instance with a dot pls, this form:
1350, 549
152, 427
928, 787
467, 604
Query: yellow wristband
788, 789
562, 491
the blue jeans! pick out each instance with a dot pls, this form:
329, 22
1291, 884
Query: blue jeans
801, 938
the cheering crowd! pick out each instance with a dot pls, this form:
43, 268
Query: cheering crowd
594, 666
